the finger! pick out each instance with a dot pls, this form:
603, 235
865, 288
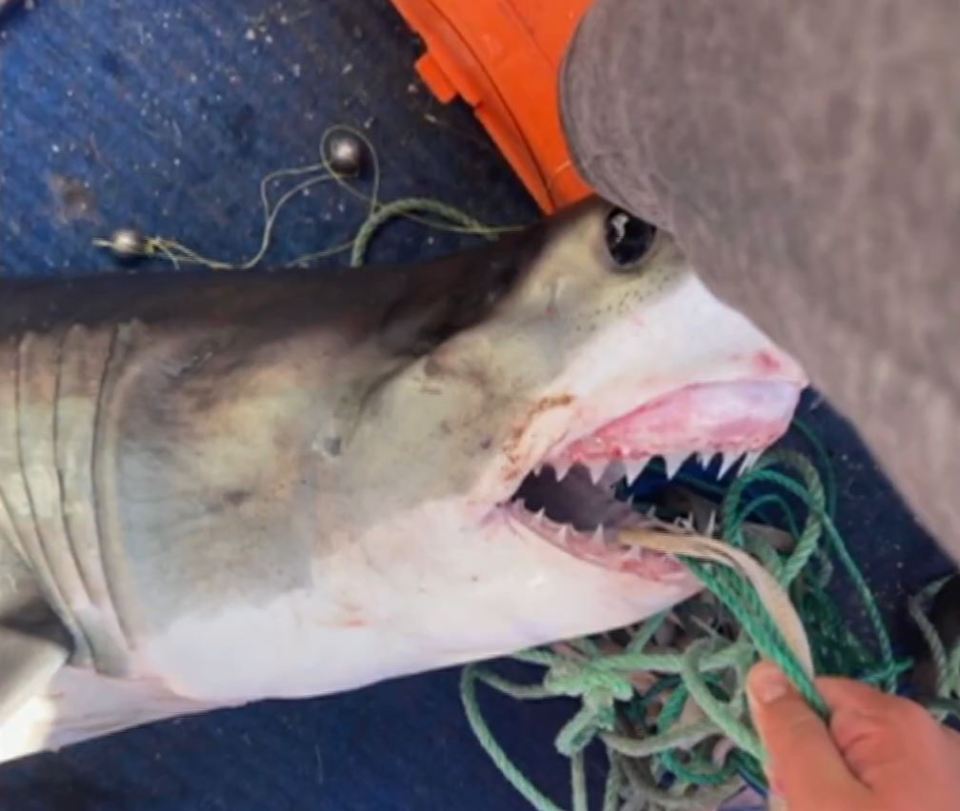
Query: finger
854, 695
805, 765
883, 738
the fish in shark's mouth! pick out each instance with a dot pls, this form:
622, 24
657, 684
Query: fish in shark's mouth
227, 487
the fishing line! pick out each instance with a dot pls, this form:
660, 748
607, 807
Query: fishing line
425, 211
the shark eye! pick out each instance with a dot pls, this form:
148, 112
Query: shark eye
629, 240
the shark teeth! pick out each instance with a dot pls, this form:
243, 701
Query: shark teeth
614, 472
597, 540
631, 465
672, 462
750, 459
632, 554
711, 525
727, 462
634, 468
685, 522
596, 470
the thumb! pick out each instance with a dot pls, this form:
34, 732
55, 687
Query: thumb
804, 764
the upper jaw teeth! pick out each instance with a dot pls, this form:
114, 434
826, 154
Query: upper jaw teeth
727, 462
672, 462
632, 467
596, 470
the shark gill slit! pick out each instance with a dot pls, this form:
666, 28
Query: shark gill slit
41, 557
76, 482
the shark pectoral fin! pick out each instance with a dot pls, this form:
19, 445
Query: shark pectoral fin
47, 703
34, 648
29, 658
47, 700
74, 704
79, 704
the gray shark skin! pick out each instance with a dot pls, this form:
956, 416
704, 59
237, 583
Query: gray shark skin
218, 488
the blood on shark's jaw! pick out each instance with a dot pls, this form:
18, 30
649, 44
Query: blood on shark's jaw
568, 499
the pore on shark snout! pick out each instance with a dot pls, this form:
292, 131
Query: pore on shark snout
411, 468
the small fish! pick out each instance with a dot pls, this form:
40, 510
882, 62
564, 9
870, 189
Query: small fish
222, 487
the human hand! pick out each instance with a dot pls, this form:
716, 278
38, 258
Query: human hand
878, 752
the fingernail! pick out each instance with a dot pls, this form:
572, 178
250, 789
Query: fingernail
768, 685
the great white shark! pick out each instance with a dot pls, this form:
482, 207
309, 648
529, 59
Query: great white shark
222, 487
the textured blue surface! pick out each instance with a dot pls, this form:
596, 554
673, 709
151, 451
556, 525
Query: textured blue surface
165, 116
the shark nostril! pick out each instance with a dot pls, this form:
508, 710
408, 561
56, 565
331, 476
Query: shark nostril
628, 239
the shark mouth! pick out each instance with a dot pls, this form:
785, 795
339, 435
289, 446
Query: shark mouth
711, 431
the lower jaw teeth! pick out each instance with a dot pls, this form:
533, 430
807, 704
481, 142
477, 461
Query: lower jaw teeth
606, 536
631, 554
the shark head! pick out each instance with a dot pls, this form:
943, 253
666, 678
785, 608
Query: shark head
463, 508
397, 470
485, 520
459, 499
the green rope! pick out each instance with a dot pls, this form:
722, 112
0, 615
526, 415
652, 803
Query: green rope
739, 598
683, 738
937, 651
946, 664
658, 761
823, 463
953, 669
660, 662
510, 771
853, 572
578, 780
716, 711
613, 786
403, 208
645, 787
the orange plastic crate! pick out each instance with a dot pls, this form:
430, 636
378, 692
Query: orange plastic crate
503, 57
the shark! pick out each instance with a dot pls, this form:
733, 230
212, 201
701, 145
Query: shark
222, 487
